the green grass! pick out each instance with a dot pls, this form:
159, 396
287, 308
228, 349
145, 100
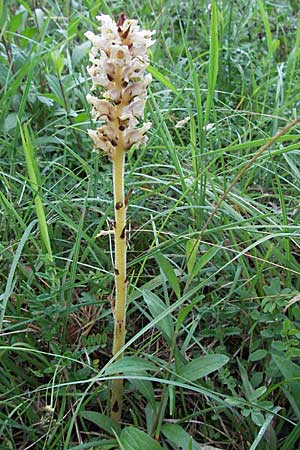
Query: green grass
212, 352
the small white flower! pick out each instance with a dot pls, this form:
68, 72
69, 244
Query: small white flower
136, 136
109, 27
101, 107
101, 142
120, 55
135, 108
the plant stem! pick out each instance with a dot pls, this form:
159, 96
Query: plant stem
120, 274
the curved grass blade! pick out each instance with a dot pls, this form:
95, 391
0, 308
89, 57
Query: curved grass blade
11, 276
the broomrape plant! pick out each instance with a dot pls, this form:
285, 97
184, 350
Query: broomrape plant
119, 61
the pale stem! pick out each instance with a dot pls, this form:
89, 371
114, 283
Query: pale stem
120, 274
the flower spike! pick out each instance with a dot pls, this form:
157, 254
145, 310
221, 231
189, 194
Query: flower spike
119, 61
118, 64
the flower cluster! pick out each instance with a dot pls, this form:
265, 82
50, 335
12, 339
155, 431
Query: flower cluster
119, 60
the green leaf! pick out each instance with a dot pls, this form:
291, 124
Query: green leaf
248, 388
267, 27
10, 283
27, 34
156, 307
160, 77
73, 26
2, 16
145, 387
35, 183
58, 62
213, 60
15, 22
80, 52
203, 366
291, 439
168, 270
10, 122
258, 355
45, 100
134, 439
257, 418
103, 444
204, 260
191, 250
103, 422
51, 97
40, 17
289, 370
178, 436
81, 117
185, 311
130, 365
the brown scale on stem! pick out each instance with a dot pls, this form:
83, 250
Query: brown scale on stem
122, 235
121, 19
119, 205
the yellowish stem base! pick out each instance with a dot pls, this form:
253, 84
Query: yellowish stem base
120, 276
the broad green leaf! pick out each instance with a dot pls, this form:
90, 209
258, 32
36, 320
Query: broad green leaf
129, 365
103, 422
289, 370
257, 417
203, 366
257, 393
15, 22
258, 355
145, 387
178, 436
204, 260
51, 97
27, 35
168, 270
2, 16
134, 439
150, 285
95, 5
81, 117
58, 62
45, 100
10, 122
156, 307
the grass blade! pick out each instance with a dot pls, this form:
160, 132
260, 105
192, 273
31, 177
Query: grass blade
263, 429
35, 183
11, 280
213, 60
